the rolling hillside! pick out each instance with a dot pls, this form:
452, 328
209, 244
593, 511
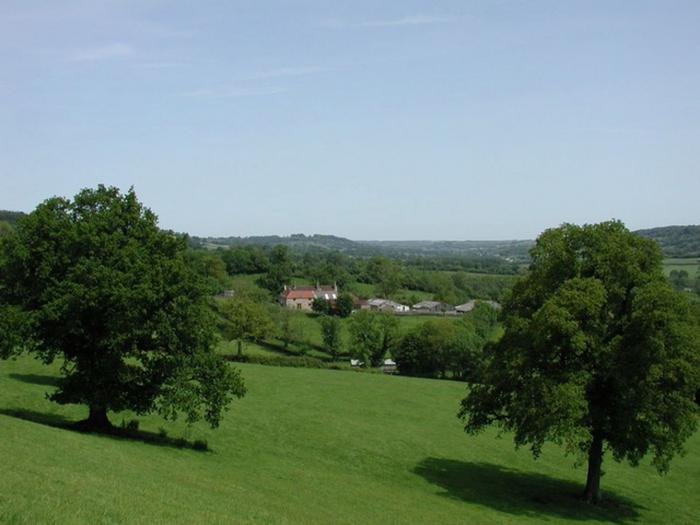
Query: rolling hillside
308, 446
675, 241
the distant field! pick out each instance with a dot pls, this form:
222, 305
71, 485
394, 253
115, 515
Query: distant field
690, 265
309, 446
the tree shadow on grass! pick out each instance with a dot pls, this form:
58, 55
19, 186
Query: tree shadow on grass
152, 438
36, 379
522, 493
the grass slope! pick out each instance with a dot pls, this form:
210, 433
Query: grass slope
308, 446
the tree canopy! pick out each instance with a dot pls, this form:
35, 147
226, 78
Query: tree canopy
245, 320
599, 353
331, 333
372, 336
95, 283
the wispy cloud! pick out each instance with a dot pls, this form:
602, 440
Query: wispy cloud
233, 92
414, 20
107, 52
160, 64
286, 72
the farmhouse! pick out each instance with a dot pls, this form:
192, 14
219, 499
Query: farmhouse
385, 305
302, 297
432, 307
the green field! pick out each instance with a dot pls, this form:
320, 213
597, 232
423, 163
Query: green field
312, 331
690, 265
308, 446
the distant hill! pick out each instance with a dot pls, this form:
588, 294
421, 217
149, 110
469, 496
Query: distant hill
511, 250
10, 216
298, 242
676, 241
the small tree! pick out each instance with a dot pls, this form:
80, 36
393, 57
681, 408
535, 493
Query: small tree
422, 351
344, 305
95, 282
321, 306
288, 327
245, 320
279, 270
599, 353
330, 330
372, 336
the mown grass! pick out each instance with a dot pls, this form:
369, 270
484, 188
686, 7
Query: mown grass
308, 446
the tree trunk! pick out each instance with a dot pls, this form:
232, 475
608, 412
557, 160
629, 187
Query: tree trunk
595, 459
240, 347
98, 419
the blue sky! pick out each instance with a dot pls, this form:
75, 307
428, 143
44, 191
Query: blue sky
371, 120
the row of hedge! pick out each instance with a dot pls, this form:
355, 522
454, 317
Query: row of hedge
296, 362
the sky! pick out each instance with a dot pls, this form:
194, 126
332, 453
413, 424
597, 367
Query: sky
370, 120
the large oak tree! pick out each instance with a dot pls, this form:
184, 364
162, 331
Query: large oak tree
599, 353
95, 283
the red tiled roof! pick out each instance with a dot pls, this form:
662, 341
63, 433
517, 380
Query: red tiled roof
299, 294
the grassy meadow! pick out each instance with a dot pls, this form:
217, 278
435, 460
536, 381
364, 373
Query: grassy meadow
308, 446
690, 265
311, 334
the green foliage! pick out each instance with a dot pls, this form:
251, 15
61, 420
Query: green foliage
288, 326
445, 347
330, 332
11, 217
386, 274
679, 279
16, 329
5, 228
676, 241
598, 352
321, 306
483, 320
332, 267
245, 320
372, 336
245, 260
279, 272
93, 281
210, 267
344, 305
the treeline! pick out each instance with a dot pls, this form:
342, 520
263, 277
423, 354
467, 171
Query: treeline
448, 348
440, 347
491, 265
278, 265
301, 243
676, 241
10, 217
681, 281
